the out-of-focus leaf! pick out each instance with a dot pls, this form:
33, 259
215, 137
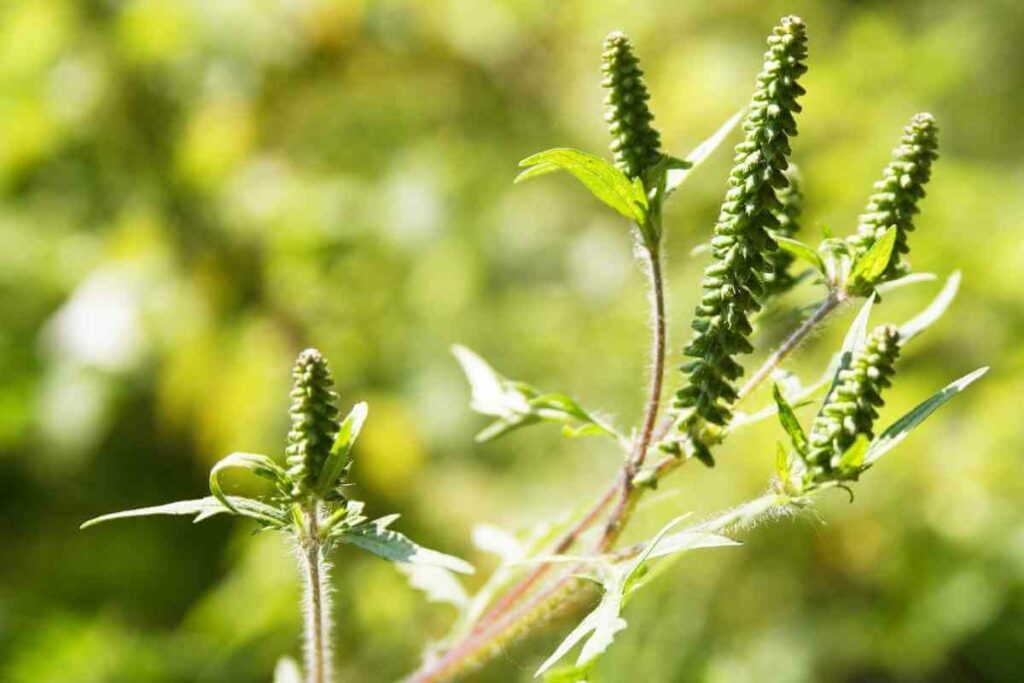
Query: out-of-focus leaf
899, 430
437, 583
488, 394
601, 625
376, 538
789, 421
905, 281
782, 470
801, 251
260, 465
933, 312
689, 540
498, 541
677, 176
604, 181
338, 458
202, 508
869, 267
287, 671
570, 674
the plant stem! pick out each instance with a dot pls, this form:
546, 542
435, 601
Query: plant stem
827, 306
318, 620
517, 609
627, 500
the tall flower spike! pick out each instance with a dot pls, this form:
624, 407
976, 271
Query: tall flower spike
314, 417
896, 196
740, 247
851, 409
635, 142
778, 280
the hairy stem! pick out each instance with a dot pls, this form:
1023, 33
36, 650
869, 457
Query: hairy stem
515, 611
627, 500
827, 306
318, 607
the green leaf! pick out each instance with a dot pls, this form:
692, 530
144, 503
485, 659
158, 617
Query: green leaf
601, 625
789, 421
376, 538
203, 509
258, 464
338, 458
782, 470
899, 430
677, 176
570, 674
854, 339
604, 181
437, 583
933, 312
287, 671
801, 251
852, 459
905, 281
489, 393
869, 267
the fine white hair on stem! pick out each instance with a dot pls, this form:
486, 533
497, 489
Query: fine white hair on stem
316, 602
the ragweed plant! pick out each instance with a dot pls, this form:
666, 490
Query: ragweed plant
755, 256
306, 502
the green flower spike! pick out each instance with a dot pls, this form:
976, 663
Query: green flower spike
851, 409
741, 245
635, 143
896, 196
314, 418
778, 280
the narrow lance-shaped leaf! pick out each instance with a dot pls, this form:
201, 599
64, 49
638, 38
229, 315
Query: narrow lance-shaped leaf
376, 538
900, 429
258, 464
789, 421
677, 176
869, 268
935, 310
337, 460
604, 181
801, 251
202, 508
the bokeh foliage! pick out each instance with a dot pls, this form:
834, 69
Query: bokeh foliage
192, 191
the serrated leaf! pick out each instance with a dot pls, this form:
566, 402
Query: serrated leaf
260, 465
287, 671
677, 176
604, 181
203, 509
789, 421
933, 312
900, 429
601, 625
801, 251
873, 263
338, 458
437, 583
376, 538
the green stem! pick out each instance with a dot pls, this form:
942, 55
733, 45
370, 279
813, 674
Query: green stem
318, 603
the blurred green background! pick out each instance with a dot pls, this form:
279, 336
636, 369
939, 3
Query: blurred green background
191, 191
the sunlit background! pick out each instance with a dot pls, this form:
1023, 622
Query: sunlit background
191, 191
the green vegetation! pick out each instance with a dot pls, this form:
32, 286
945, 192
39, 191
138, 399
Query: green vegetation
192, 193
